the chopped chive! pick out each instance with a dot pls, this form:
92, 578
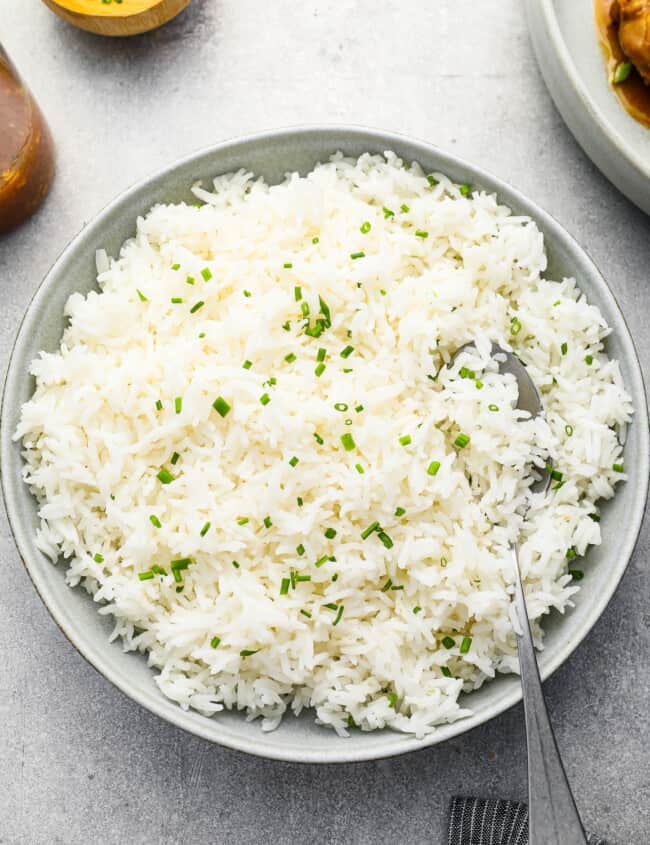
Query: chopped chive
174, 458
165, 476
431, 179
176, 266
433, 467
420, 233
320, 369
201, 334
397, 587
153, 519
417, 609
405, 439
267, 521
515, 326
141, 296
235, 564
214, 642
465, 645
387, 586
355, 255
290, 358
388, 213
205, 529
345, 353
404, 207
297, 293
555, 474
349, 370
247, 293
479, 384
385, 539
293, 461
335, 577
341, 406
338, 615
159, 405
462, 440
443, 562
221, 406
98, 558
176, 300
571, 553
300, 549
445, 671
595, 517
621, 72
330, 533
321, 561
325, 311
368, 531
306, 613
247, 364
181, 563
318, 438
190, 280
576, 574
206, 273
359, 469
146, 576
465, 189
247, 652
348, 442
399, 511
392, 700
320, 355
618, 467
178, 404
589, 359
358, 408
196, 307
287, 265
564, 348
304, 307
243, 520
448, 642
300, 501
302, 578
177, 576
265, 399
557, 302
284, 586
493, 407
158, 570
331, 605
315, 240
365, 228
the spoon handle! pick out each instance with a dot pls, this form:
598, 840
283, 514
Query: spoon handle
553, 815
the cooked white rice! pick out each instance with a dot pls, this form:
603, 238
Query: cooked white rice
380, 635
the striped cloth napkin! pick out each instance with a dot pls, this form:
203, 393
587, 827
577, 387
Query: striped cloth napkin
477, 821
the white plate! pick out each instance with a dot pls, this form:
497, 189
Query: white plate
566, 43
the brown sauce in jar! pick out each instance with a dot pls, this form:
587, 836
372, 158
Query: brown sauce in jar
633, 93
26, 150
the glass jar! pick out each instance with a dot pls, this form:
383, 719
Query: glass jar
26, 150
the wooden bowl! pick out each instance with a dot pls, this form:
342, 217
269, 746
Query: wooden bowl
117, 18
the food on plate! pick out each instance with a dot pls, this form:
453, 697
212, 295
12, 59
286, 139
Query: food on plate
624, 29
253, 451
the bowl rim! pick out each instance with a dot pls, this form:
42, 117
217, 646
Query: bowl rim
208, 728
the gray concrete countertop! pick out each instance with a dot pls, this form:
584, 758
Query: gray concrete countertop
80, 763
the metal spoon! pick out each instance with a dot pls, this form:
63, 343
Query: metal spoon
553, 817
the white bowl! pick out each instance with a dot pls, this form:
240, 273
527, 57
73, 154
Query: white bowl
272, 154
